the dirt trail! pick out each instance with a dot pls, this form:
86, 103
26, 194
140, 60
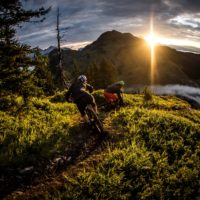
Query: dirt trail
87, 150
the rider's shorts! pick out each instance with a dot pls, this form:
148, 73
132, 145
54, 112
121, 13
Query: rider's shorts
83, 101
110, 97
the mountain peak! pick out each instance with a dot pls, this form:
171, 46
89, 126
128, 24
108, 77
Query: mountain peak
111, 38
48, 50
130, 58
115, 35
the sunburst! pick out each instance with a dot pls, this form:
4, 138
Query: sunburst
151, 39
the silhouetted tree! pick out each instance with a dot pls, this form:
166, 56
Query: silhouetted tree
16, 59
76, 70
63, 78
102, 74
92, 74
42, 75
107, 72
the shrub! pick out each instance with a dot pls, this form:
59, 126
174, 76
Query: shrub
147, 94
5, 103
58, 97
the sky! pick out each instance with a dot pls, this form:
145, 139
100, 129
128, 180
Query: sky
175, 22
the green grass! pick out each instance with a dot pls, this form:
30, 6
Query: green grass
157, 157
35, 132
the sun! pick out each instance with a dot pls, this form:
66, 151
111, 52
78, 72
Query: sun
151, 39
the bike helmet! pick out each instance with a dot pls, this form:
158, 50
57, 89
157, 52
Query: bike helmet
121, 83
82, 78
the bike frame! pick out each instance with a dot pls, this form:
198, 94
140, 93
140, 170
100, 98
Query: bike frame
94, 119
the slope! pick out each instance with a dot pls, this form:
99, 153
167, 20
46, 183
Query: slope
152, 152
130, 57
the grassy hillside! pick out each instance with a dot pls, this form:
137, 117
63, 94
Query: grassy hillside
151, 152
35, 131
158, 157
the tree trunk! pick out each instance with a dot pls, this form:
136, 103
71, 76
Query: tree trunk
63, 81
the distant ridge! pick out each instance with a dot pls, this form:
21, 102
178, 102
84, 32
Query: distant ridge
130, 57
187, 49
48, 50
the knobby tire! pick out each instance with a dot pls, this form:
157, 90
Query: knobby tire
94, 120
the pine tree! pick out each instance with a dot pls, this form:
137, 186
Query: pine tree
92, 73
107, 73
102, 74
43, 79
16, 76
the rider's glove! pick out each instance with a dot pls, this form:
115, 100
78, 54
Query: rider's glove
90, 88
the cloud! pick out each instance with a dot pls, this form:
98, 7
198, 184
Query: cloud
132, 8
188, 92
180, 90
88, 19
76, 45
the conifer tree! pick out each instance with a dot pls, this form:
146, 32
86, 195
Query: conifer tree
90, 73
43, 79
107, 73
15, 74
100, 75
76, 70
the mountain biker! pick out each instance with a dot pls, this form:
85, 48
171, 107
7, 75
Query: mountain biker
113, 92
78, 91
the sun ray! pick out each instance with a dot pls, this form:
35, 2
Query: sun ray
152, 40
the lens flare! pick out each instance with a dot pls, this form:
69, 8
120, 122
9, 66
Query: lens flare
152, 40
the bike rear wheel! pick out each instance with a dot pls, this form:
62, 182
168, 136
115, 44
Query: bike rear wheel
94, 120
110, 106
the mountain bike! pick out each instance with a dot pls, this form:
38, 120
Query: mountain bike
111, 106
94, 120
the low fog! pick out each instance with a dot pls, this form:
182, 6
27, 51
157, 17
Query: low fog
192, 94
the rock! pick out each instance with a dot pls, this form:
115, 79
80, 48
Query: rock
19, 177
69, 159
2, 179
56, 160
26, 170
19, 193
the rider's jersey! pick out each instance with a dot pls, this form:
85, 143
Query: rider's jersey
78, 90
115, 88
